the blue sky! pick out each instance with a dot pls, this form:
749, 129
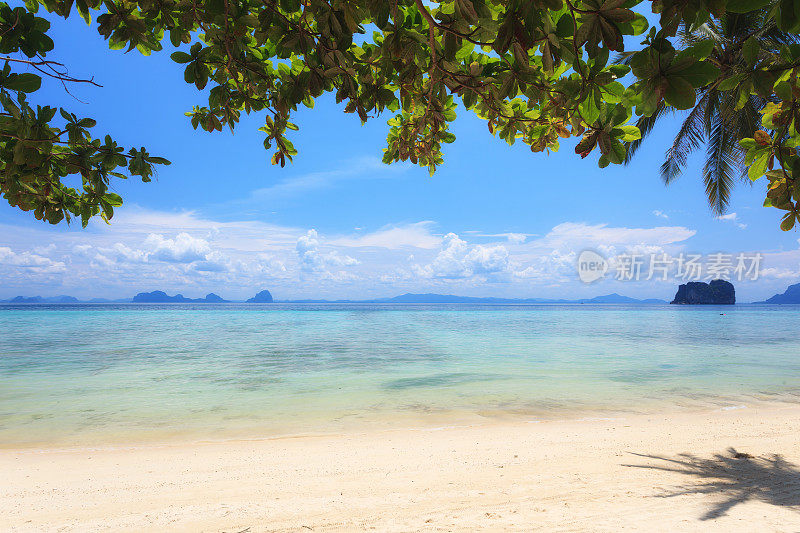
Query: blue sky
494, 220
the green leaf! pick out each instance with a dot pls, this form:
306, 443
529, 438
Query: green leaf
613, 92
758, 167
617, 153
748, 143
181, 57
638, 25
788, 221
728, 83
699, 74
783, 90
745, 6
699, 51
750, 50
679, 93
113, 199
26, 82
627, 133
589, 111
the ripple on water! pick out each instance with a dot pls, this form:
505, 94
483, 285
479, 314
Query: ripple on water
129, 368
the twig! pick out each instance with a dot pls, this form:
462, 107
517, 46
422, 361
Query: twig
43, 64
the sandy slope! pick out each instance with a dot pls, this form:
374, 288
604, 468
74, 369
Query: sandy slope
602, 475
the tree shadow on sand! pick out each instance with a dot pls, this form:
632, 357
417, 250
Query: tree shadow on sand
734, 478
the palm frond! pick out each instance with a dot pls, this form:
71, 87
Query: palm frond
688, 37
721, 166
771, 34
646, 125
714, 121
623, 58
736, 25
689, 138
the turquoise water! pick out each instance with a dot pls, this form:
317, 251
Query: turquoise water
83, 374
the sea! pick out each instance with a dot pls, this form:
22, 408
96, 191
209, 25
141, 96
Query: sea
88, 374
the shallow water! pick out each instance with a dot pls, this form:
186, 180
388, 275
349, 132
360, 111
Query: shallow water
100, 373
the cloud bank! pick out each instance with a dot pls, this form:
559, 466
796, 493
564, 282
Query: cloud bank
188, 253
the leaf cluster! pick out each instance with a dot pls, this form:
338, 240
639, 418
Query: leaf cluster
537, 71
41, 147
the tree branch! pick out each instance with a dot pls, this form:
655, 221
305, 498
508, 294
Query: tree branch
53, 72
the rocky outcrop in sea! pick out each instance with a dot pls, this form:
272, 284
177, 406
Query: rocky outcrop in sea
717, 292
263, 297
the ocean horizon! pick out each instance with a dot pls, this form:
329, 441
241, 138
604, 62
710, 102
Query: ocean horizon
100, 373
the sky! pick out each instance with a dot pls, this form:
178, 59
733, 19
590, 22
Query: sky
495, 220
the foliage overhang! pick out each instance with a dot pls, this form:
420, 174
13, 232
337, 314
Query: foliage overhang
537, 71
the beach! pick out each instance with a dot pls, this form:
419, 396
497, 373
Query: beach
398, 418
717, 470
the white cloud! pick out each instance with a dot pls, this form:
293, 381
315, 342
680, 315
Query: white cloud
119, 252
488, 259
551, 258
511, 237
458, 260
188, 253
28, 260
516, 238
660, 214
417, 235
576, 234
45, 250
732, 218
356, 169
780, 273
82, 249
215, 263
182, 249
558, 266
312, 260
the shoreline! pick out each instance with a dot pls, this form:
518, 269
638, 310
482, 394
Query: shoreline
665, 470
393, 421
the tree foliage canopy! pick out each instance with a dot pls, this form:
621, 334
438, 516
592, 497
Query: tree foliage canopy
537, 71
719, 118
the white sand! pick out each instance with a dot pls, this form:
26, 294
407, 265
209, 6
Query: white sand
556, 476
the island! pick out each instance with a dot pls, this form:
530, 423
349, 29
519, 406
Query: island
429, 298
717, 292
160, 297
791, 296
39, 300
263, 297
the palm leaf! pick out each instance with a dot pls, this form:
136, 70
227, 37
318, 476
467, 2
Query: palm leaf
715, 122
689, 138
646, 125
721, 167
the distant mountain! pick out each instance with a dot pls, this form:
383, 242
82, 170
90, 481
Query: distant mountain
62, 300
263, 297
791, 296
160, 297
451, 299
615, 298
40, 300
447, 299
26, 300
